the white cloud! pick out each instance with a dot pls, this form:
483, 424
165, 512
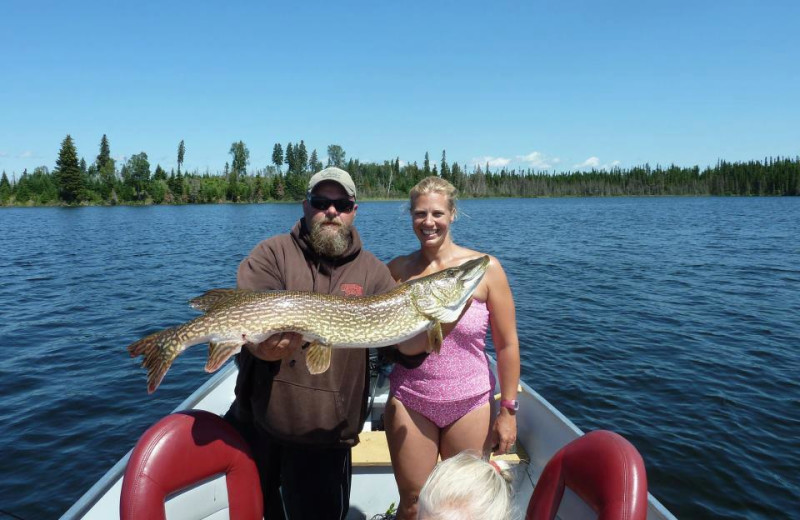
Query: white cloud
494, 162
591, 162
27, 154
538, 160
3, 154
594, 163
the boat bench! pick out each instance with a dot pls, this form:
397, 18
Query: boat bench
373, 450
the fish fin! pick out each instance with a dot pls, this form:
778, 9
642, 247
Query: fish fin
435, 337
158, 351
219, 352
214, 298
318, 358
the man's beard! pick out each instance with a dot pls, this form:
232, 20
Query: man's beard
329, 240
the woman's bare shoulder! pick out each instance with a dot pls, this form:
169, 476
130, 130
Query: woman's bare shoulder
469, 254
400, 266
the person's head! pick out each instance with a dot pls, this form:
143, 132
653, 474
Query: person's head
330, 209
433, 209
465, 487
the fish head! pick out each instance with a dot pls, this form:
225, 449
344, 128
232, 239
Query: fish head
443, 295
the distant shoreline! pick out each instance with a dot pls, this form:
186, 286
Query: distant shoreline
370, 199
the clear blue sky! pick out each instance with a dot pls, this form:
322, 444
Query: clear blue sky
554, 84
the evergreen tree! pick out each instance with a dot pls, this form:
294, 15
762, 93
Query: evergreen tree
302, 157
68, 173
159, 174
277, 189
290, 158
175, 184
21, 189
314, 163
104, 156
5, 188
426, 166
277, 156
445, 171
181, 153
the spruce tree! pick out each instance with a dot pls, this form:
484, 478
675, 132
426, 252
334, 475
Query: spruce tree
302, 157
290, 158
181, 153
314, 163
104, 156
5, 188
277, 155
68, 173
160, 174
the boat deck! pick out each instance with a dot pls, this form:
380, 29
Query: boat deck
373, 450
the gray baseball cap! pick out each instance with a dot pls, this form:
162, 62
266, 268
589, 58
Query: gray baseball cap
336, 175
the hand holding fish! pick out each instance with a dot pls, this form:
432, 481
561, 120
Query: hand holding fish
276, 347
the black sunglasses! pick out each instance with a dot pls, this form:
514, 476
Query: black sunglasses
323, 203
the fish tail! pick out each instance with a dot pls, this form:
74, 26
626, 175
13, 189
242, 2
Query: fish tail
158, 351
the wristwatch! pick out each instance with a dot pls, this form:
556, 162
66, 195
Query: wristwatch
511, 404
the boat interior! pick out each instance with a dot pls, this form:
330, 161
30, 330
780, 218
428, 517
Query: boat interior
556, 472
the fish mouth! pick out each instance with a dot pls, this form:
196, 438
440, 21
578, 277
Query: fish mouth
473, 270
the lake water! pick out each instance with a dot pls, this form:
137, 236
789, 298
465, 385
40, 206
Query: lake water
673, 321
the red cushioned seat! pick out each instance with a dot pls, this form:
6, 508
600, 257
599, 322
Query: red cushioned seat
602, 468
180, 450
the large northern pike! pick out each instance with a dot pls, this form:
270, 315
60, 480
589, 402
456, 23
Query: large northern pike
235, 317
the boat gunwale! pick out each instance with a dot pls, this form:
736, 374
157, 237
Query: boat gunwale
100, 488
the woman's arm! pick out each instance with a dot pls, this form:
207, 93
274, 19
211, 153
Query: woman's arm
502, 318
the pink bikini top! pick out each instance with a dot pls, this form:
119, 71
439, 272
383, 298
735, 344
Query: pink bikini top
460, 370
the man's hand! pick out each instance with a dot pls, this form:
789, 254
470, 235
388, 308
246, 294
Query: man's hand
276, 347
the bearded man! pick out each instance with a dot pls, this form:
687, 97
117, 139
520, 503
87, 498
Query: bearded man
300, 426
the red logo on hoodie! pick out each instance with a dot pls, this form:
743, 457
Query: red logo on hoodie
352, 289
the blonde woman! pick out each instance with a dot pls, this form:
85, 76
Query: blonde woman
443, 406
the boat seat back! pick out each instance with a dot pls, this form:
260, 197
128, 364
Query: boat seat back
603, 469
183, 449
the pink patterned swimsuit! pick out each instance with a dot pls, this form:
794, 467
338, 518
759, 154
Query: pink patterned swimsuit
446, 387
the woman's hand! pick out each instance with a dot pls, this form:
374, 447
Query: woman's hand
276, 347
504, 431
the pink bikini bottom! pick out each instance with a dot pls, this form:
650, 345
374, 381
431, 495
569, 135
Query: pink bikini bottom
442, 413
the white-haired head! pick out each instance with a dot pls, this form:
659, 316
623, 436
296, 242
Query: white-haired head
465, 487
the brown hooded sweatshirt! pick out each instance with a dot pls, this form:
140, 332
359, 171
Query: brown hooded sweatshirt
281, 397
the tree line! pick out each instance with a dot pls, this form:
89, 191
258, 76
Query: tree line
73, 181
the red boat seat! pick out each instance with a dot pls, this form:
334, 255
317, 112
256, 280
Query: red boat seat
182, 449
602, 468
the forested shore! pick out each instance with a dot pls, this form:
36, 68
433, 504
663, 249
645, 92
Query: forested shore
73, 181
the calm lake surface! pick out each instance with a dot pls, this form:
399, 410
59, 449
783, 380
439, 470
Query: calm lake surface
673, 321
